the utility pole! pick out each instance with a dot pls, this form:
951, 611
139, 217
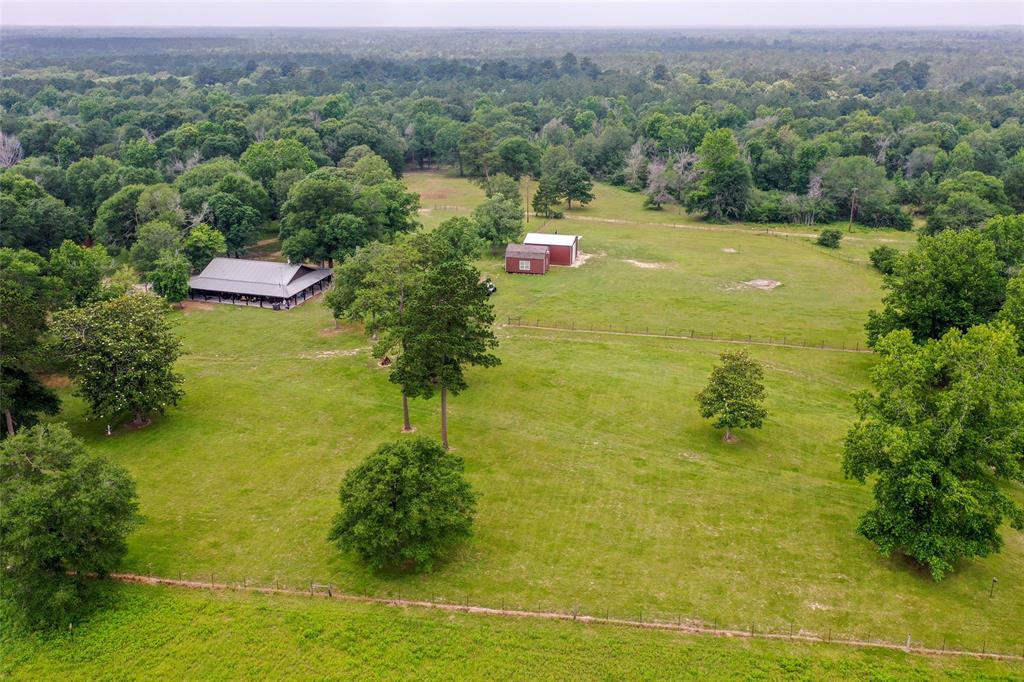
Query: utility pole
526, 192
853, 207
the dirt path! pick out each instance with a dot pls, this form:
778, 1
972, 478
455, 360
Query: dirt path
680, 337
690, 627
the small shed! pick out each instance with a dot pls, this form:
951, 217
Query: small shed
564, 247
258, 283
527, 259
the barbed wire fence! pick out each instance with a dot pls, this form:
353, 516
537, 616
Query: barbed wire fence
959, 644
667, 332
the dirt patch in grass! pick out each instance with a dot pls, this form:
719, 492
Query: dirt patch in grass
763, 284
192, 306
729, 250
55, 381
582, 258
644, 265
324, 354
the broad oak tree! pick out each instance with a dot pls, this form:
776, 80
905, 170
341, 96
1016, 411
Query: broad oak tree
66, 514
941, 431
950, 280
404, 506
734, 395
121, 353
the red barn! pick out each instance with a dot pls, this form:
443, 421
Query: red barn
564, 247
527, 259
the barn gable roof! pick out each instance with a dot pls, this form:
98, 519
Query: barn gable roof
256, 277
551, 239
525, 251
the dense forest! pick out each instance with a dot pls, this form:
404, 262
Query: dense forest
217, 127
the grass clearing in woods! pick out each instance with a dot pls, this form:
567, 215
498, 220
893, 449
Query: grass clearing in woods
600, 487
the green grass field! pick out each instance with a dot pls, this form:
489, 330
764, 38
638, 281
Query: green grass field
163, 633
600, 486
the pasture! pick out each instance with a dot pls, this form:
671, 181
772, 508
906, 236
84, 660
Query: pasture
163, 633
600, 486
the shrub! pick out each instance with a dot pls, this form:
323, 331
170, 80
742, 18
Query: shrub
830, 238
884, 258
404, 506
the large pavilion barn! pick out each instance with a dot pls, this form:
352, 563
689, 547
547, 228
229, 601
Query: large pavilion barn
258, 282
563, 247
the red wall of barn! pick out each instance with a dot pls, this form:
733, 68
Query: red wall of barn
561, 255
537, 266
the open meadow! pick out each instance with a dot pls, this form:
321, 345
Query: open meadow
600, 486
164, 633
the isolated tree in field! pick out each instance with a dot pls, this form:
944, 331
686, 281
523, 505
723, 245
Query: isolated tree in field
941, 431
27, 294
170, 276
574, 184
545, 198
734, 396
950, 280
66, 515
81, 270
724, 185
499, 220
404, 506
121, 353
446, 326
202, 245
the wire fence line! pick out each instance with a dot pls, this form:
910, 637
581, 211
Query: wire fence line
664, 332
579, 614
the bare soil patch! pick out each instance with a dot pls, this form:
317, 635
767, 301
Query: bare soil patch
729, 250
193, 306
582, 258
644, 265
55, 380
763, 284
324, 354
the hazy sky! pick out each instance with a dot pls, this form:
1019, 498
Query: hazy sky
477, 13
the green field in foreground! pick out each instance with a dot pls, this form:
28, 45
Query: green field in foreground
163, 633
600, 486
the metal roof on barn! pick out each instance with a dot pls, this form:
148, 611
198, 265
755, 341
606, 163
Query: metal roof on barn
551, 239
525, 251
257, 277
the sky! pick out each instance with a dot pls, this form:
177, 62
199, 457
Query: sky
496, 13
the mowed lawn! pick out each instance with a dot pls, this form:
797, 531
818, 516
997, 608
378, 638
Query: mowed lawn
600, 487
161, 633
645, 272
